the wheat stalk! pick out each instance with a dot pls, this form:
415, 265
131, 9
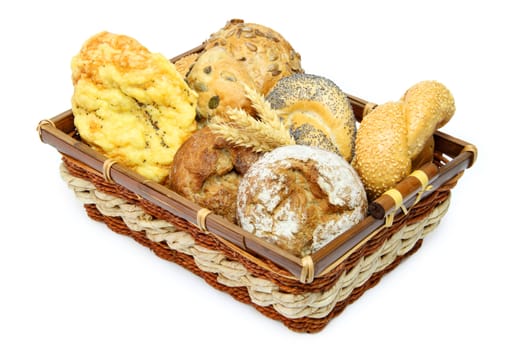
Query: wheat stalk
241, 129
262, 106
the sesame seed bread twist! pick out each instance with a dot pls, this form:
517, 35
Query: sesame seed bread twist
394, 135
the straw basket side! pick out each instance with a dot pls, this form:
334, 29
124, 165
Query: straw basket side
300, 307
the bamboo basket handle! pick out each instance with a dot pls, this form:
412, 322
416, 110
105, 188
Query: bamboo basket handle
413, 186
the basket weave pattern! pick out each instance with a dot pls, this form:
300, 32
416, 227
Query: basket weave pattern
271, 291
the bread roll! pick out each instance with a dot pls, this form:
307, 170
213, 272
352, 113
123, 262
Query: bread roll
299, 198
130, 104
317, 112
207, 170
396, 136
382, 149
429, 106
264, 52
219, 80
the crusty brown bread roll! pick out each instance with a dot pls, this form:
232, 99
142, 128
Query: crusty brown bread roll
265, 53
395, 135
299, 198
207, 170
316, 111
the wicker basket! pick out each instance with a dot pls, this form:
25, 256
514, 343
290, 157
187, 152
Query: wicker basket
304, 294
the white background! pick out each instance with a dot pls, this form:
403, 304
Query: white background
70, 283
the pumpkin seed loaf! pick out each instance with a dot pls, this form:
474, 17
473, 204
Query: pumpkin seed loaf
218, 79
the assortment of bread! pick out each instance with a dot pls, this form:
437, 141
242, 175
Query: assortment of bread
240, 129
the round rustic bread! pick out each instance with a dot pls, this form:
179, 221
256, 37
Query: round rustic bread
299, 198
317, 112
264, 52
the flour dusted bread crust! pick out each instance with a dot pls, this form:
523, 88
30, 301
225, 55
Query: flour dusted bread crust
207, 171
131, 104
265, 53
299, 198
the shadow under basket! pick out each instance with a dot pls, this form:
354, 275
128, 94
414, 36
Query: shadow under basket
302, 293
